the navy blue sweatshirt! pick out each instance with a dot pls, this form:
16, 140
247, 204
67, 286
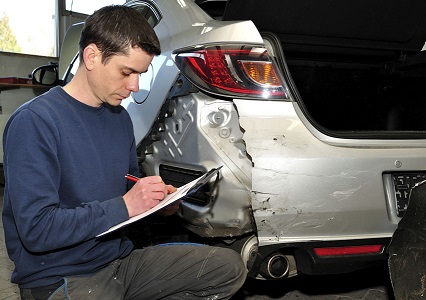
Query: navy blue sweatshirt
64, 165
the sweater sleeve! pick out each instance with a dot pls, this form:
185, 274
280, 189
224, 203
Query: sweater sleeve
33, 176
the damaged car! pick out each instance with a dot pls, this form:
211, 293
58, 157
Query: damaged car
314, 110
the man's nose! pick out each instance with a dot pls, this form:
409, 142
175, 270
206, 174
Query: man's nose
133, 83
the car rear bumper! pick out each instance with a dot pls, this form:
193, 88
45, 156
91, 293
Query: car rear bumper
308, 262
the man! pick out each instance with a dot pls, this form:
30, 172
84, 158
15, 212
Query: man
65, 157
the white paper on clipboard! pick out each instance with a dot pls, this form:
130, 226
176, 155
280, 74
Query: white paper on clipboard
181, 192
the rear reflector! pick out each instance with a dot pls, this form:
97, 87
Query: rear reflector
233, 70
349, 250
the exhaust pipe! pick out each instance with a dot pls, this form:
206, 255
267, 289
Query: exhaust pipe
275, 266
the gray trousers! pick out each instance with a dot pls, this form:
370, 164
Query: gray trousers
157, 272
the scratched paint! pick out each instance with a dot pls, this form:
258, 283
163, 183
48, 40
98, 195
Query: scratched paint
303, 188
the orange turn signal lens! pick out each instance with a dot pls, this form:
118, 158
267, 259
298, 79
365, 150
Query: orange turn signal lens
261, 72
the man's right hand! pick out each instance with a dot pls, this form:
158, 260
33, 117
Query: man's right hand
145, 194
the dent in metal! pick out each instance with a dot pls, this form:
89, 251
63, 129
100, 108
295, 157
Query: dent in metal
202, 134
304, 189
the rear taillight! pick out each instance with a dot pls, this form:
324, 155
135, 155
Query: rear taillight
238, 71
349, 250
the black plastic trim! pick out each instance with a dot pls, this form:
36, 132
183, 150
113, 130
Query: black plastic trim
311, 264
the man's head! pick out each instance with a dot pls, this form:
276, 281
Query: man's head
117, 44
116, 28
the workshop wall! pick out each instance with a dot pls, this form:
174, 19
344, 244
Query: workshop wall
18, 65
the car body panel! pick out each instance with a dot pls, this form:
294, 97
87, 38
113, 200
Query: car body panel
306, 189
69, 47
216, 144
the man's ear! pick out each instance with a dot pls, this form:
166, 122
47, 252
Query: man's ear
91, 56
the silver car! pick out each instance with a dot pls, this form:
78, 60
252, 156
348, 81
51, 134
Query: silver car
315, 110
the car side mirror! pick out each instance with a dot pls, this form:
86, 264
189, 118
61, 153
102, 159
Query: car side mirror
46, 75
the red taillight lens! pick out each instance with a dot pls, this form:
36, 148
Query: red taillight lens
239, 71
349, 250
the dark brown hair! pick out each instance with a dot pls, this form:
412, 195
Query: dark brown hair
115, 28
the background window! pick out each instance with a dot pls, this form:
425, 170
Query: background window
88, 7
28, 27
38, 27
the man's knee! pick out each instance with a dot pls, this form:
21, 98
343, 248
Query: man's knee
228, 264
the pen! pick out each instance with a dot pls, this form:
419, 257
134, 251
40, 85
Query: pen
135, 179
132, 178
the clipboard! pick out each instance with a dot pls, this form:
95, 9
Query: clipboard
182, 192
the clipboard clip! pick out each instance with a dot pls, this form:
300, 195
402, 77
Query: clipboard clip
204, 180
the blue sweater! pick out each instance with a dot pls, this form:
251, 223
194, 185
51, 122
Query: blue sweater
64, 166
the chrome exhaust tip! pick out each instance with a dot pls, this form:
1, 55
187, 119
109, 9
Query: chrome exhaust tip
275, 266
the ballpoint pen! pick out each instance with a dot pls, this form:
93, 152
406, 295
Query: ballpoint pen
132, 178
135, 179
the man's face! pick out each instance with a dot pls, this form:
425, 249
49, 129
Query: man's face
114, 80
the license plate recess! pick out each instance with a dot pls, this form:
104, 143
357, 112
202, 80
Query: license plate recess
403, 182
